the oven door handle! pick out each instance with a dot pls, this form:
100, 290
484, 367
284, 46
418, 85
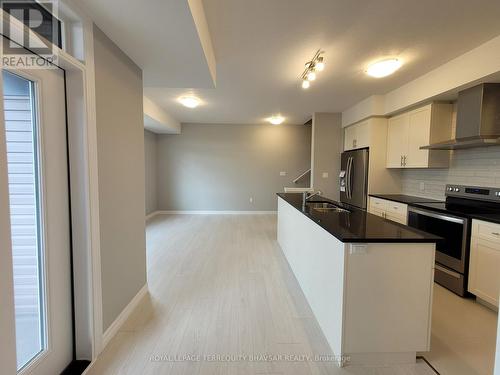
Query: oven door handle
438, 216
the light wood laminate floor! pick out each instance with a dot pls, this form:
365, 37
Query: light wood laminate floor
219, 285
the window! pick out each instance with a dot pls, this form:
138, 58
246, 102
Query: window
22, 158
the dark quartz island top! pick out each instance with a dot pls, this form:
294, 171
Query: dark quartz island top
489, 215
358, 225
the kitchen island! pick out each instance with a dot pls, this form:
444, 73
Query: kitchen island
367, 280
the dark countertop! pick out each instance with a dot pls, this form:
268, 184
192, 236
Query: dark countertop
493, 217
406, 199
358, 225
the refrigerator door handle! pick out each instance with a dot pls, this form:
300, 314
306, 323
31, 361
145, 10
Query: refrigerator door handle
347, 178
350, 177
349, 174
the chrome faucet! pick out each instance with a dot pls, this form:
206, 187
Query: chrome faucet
306, 196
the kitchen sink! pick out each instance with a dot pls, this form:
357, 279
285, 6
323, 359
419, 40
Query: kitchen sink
325, 207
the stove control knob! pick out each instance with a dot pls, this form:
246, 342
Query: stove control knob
497, 193
457, 190
450, 189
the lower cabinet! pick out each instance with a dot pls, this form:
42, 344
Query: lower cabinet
390, 210
484, 268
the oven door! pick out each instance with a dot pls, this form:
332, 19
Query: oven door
452, 250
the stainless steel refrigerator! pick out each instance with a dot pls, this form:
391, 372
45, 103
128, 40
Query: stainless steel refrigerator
354, 177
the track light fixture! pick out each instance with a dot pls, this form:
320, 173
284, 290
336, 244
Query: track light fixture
317, 64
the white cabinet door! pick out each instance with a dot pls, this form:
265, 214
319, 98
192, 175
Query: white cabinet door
397, 140
357, 136
419, 125
484, 275
350, 137
362, 135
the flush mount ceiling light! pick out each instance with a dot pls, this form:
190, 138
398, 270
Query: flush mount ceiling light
189, 101
317, 64
384, 68
276, 119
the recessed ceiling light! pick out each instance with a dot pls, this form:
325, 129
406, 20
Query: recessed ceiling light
276, 120
305, 84
384, 68
189, 101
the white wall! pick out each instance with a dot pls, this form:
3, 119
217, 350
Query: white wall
120, 137
222, 166
151, 171
327, 145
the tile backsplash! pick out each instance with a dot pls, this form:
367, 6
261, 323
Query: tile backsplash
476, 167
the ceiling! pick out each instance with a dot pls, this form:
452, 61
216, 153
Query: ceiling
261, 47
160, 36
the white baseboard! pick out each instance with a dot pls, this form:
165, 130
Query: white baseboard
116, 325
152, 215
215, 212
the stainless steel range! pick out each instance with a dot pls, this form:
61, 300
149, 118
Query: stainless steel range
451, 220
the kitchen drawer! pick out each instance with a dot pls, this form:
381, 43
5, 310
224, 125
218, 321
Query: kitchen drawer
485, 230
378, 204
396, 208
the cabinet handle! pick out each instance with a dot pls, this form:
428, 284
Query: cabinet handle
396, 208
495, 233
401, 160
354, 143
404, 160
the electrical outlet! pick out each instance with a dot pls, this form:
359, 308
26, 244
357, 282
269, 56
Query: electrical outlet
325, 175
251, 199
282, 173
422, 186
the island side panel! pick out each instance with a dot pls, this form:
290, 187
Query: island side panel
317, 261
388, 300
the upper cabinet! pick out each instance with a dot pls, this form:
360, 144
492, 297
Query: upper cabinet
397, 140
357, 136
409, 131
372, 133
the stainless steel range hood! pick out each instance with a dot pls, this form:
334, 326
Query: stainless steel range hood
478, 119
